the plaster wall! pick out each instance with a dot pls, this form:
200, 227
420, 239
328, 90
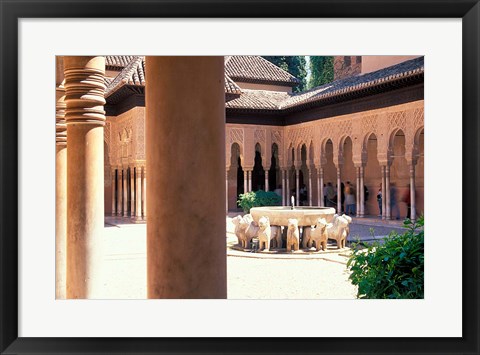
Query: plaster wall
375, 62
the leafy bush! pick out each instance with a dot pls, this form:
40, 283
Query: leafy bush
257, 199
392, 270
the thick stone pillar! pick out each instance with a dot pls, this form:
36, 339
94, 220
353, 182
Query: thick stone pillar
132, 192
85, 87
384, 208
266, 180
119, 192
125, 193
339, 190
187, 259
283, 187
60, 201
144, 193
362, 191
138, 193
413, 211
113, 179
297, 186
310, 187
387, 192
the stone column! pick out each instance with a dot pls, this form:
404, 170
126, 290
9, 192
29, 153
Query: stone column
266, 180
339, 190
357, 171
310, 187
119, 192
250, 180
132, 192
125, 193
297, 186
362, 191
85, 87
283, 187
321, 201
245, 181
287, 192
384, 208
113, 192
138, 194
188, 93
387, 192
60, 200
413, 211
144, 192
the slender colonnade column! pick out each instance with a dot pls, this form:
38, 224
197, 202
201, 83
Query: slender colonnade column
266, 180
321, 183
144, 192
119, 192
250, 180
357, 171
113, 180
413, 207
310, 187
132, 192
362, 192
245, 181
138, 194
287, 190
384, 197
387, 192
283, 187
339, 191
60, 200
187, 259
85, 117
125, 192
297, 186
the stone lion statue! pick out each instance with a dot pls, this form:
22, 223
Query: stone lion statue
338, 230
318, 235
251, 230
268, 235
293, 235
240, 231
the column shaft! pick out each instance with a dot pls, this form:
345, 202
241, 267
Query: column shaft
362, 192
384, 193
266, 180
113, 192
119, 192
388, 203
138, 193
245, 181
339, 191
250, 180
186, 254
125, 193
297, 187
85, 87
287, 192
413, 207
132, 192
357, 171
283, 187
321, 199
310, 203
144, 193
61, 201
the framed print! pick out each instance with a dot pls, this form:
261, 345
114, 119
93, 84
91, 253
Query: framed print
233, 103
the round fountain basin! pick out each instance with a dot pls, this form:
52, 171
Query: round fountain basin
306, 216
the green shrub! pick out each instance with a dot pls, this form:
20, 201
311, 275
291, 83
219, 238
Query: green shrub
257, 199
393, 269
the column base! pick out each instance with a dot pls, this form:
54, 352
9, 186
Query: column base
139, 220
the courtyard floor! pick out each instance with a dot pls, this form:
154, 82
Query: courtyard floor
249, 275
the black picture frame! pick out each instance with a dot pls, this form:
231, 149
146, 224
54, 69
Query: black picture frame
11, 11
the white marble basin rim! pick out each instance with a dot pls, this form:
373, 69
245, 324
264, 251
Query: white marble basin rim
306, 216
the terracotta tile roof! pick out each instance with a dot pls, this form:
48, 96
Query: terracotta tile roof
258, 100
134, 74
117, 61
356, 83
269, 100
255, 69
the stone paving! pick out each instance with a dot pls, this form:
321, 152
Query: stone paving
250, 275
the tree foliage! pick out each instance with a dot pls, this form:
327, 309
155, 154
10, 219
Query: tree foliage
295, 65
257, 199
321, 69
394, 269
